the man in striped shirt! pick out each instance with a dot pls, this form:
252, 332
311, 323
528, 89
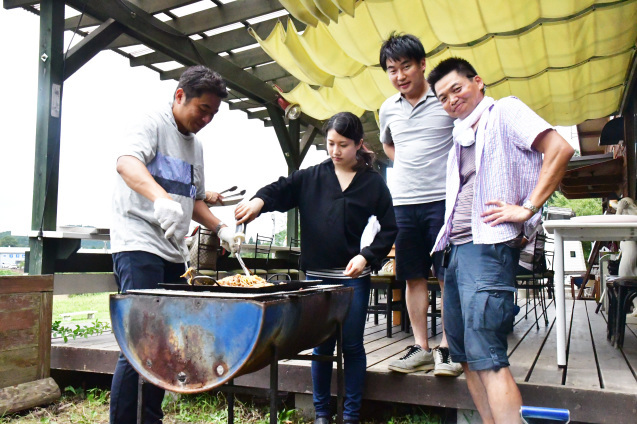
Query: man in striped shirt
505, 163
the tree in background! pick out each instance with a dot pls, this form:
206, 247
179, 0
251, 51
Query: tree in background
280, 238
16, 241
8, 241
581, 207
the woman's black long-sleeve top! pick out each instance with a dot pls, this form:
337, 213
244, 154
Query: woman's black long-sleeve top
332, 220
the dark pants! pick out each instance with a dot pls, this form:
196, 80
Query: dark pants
418, 227
353, 352
138, 270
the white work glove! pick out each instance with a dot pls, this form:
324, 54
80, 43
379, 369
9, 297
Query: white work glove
230, 240
169, 214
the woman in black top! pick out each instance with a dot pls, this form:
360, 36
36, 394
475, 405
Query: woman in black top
336, 199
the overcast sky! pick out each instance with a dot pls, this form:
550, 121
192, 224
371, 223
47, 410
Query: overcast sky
100, 101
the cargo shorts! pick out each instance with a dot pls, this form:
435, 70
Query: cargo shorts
478, 303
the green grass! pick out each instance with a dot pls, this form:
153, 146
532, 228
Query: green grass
91, 407
82, 302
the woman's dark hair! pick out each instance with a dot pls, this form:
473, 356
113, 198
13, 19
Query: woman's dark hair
199, 79
350, 126
458, 64
399, 47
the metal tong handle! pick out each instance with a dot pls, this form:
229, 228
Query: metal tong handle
234, 196
246, 271
233, 188
241, 228
184, 254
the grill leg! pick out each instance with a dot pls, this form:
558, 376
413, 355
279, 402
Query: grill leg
274, 386
230, 400
140, 400
340, 377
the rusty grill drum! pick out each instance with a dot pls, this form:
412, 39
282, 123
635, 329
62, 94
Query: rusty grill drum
191, 342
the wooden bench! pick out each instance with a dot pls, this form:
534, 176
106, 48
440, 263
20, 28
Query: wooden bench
69, 315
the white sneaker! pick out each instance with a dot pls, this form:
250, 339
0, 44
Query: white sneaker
445, 367
416, 359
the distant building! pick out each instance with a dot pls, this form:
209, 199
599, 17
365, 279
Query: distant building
11, 256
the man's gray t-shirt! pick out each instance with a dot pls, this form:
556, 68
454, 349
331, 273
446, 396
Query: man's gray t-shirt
422, 139
175, 161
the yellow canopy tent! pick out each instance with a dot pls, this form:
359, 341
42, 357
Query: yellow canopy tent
568, 60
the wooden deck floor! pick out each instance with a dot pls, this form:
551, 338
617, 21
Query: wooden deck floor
598, 385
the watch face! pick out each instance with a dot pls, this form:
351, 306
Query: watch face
530, 206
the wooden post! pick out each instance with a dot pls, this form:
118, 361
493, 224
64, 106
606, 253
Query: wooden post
293, 218
630, 139
25, 348
47, 134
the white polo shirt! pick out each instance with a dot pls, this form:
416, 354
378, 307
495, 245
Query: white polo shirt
422, 138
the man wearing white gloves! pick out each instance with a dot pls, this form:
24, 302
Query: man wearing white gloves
160, 191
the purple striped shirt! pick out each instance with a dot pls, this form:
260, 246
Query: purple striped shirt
507, 168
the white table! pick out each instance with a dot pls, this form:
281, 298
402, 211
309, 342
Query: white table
81, 233
583, 231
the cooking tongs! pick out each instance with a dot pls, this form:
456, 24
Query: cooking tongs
241, 228
230, 199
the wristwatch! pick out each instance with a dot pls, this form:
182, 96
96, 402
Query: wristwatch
219, 225
530, 206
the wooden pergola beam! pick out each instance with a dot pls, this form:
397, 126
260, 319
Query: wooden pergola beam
244, 59
161, 37
307, 140
194, 23
12, 4
230, 13
156, 6
90, 46
268, 72
276, 118
592, 180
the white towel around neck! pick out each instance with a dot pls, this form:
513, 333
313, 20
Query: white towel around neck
463, 133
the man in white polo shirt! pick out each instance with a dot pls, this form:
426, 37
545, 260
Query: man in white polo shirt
416, 135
